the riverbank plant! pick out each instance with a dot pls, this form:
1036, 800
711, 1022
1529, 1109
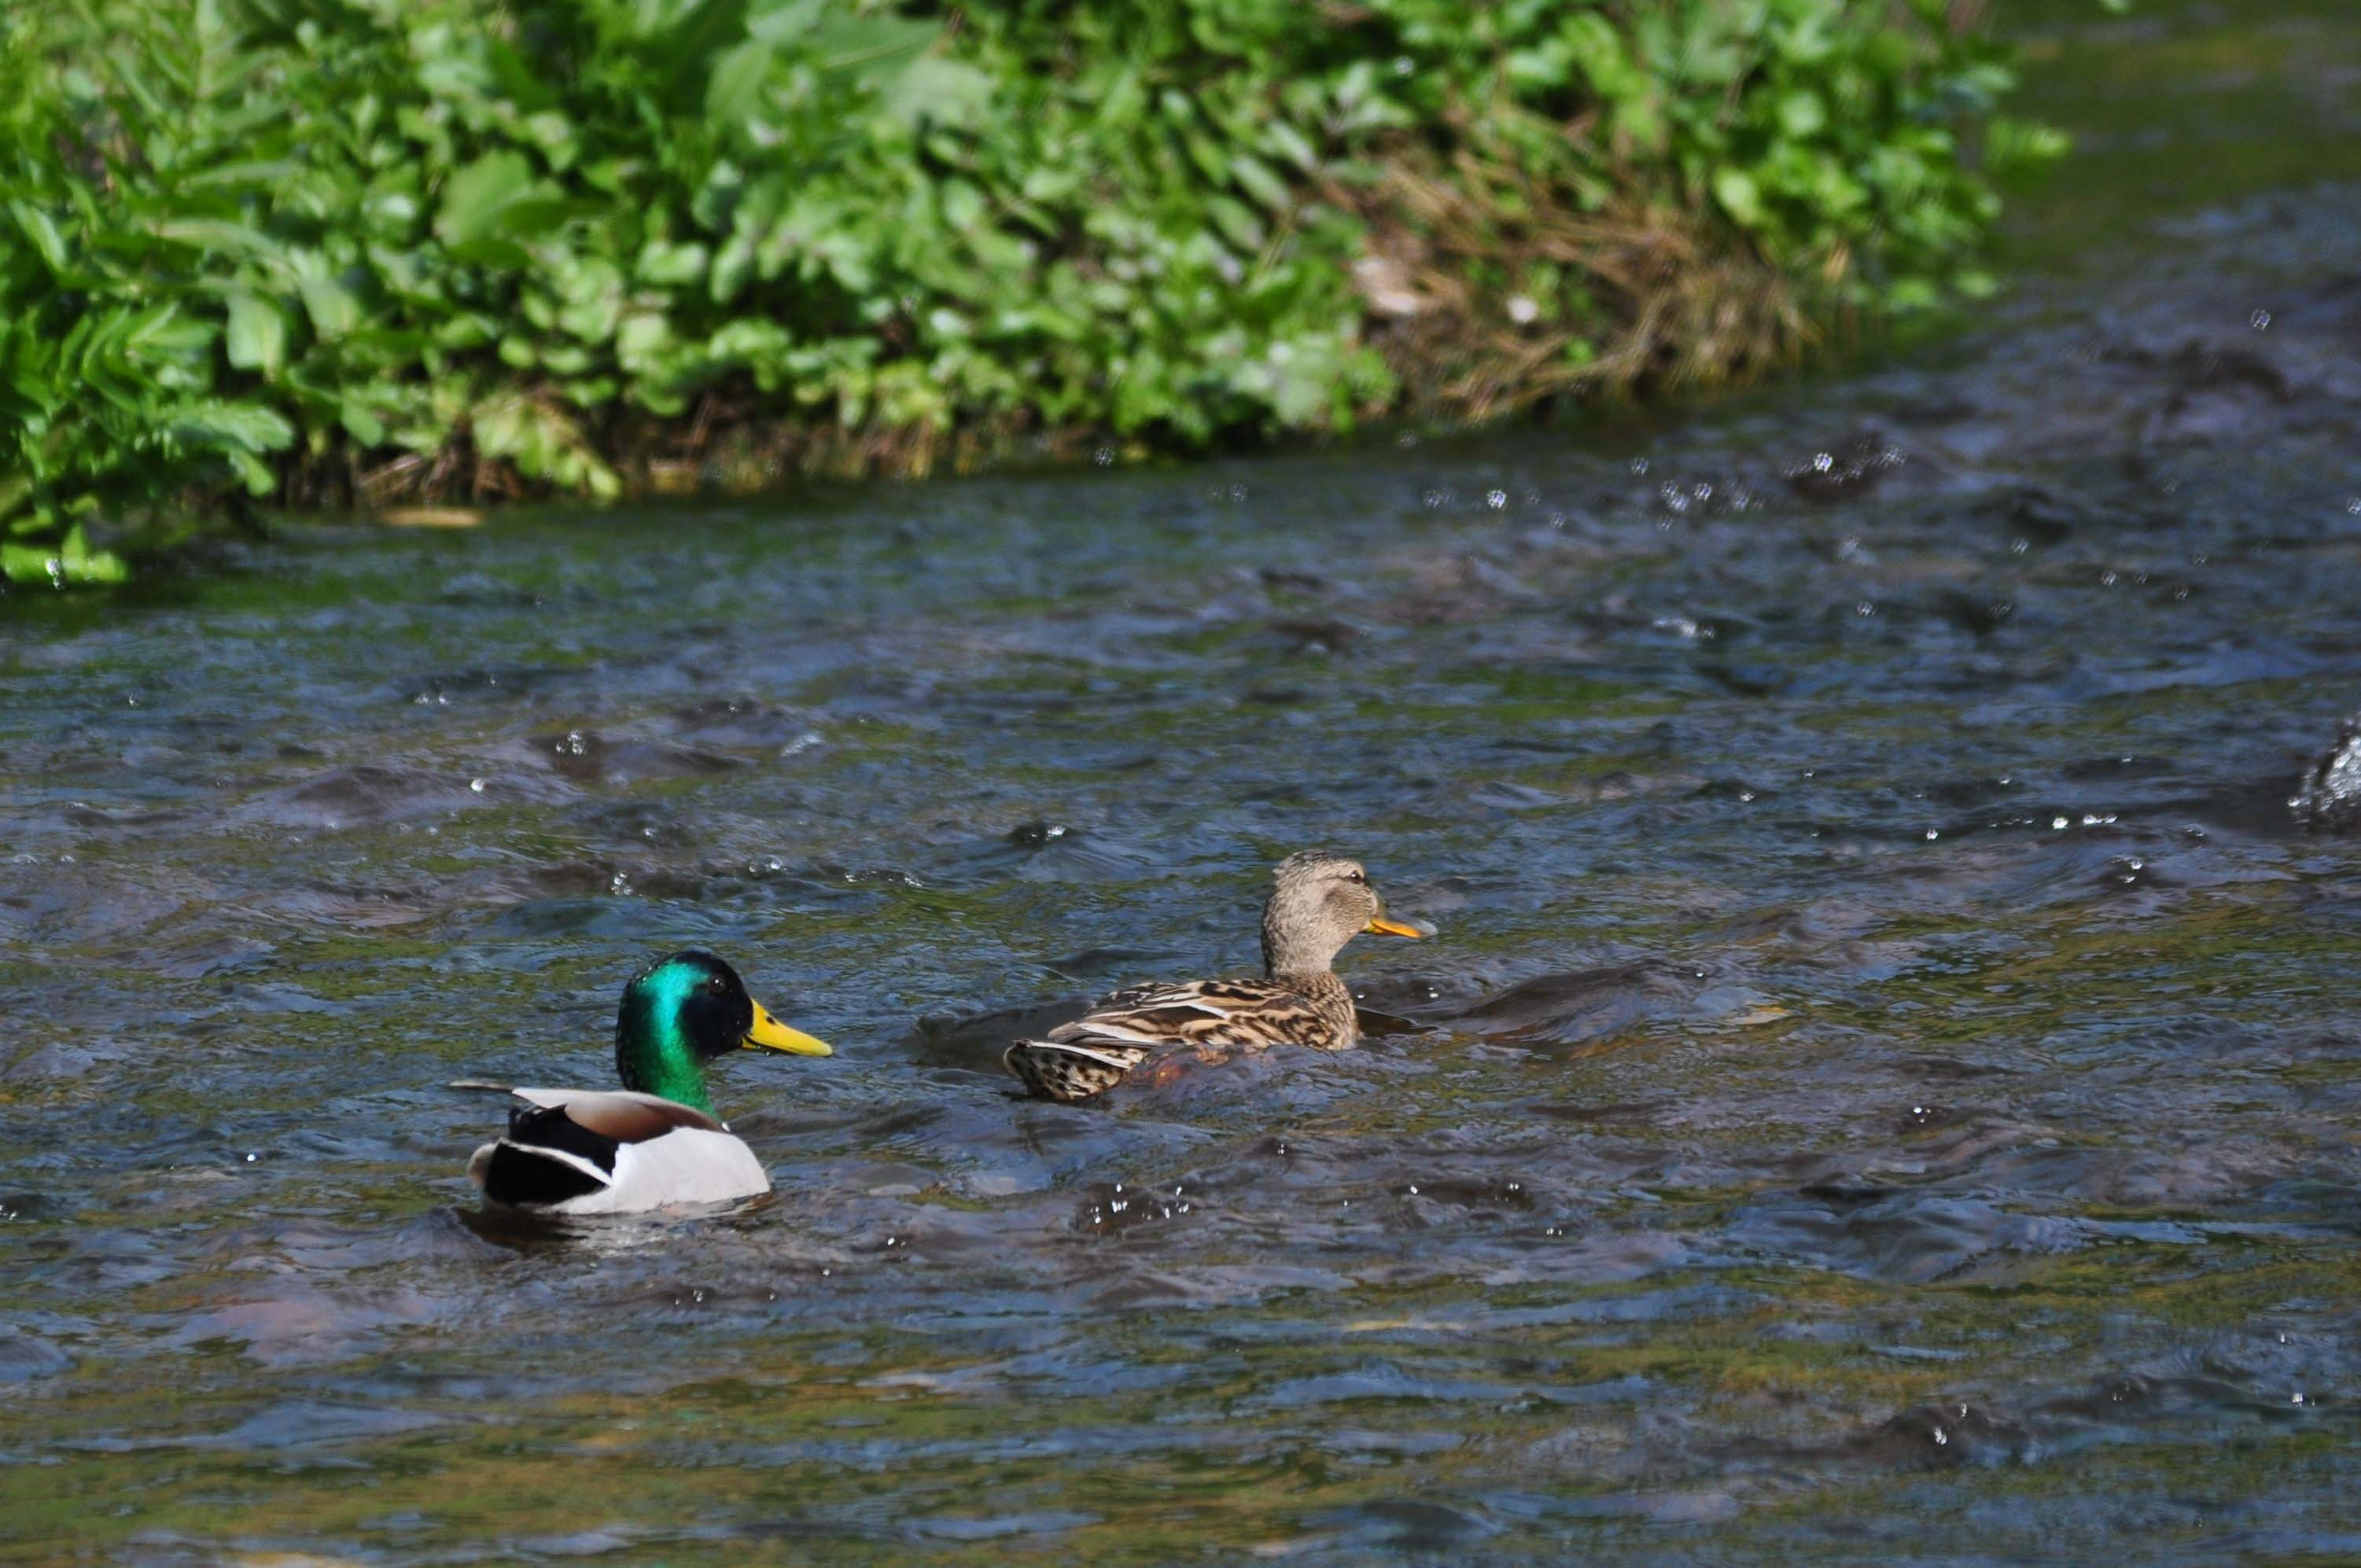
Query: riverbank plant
340, 251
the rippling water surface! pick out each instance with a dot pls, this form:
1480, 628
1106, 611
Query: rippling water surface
1884, 1085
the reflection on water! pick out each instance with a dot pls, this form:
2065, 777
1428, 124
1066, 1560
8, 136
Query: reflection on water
1887, 1068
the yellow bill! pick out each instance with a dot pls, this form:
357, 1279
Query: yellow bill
1384, 928
768, 1033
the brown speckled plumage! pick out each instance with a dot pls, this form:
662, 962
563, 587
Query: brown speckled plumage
1318, 902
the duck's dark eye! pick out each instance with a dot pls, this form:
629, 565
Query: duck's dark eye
1355, 876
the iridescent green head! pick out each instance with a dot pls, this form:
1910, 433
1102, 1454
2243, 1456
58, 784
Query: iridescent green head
679, 1013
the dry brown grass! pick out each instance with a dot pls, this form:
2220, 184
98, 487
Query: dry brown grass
1675, 303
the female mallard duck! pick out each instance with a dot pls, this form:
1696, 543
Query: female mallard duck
656, 1141
1318, 904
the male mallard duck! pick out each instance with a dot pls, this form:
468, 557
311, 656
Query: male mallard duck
655, 1141
1318, 904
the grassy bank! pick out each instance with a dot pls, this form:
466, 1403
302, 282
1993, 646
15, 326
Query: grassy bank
365, 250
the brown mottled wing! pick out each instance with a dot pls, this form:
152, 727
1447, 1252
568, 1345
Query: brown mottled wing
1069, 1074
620, 1114
1248, 1014
1096, 1051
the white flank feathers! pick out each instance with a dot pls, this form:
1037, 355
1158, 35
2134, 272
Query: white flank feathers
687, 1165
683, 1164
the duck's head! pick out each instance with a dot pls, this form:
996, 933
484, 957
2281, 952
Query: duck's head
679, 1013
1318, 902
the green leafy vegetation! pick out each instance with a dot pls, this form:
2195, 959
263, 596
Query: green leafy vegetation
367, 250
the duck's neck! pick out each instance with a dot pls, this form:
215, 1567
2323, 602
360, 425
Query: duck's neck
654, 1056
1289, 954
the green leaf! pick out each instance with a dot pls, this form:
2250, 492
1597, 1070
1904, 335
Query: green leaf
784, 21
1237, 222
1260, 183
39, 228
219, 235
262, 175
245, 427
31, 563
257, 339
671, 266
475, 198
593, 292
1740, 196
640, 339
333, 310
735, 89
872, 49
80, 565
733, 264
361, 423
252, 470
939, 91
1290, 144
962, 205
494, 202
1801, 113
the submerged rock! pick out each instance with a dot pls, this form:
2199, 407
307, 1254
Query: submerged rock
2330, 798
1948, 1433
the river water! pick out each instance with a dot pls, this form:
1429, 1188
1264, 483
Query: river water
1884, 1086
